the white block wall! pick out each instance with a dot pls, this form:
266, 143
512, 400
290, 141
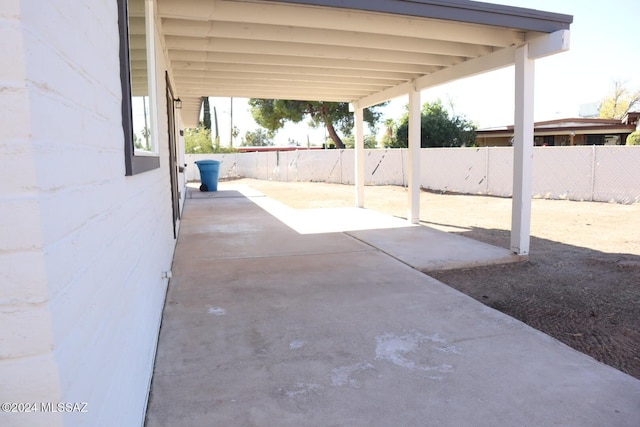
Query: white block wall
82, 247
593, 173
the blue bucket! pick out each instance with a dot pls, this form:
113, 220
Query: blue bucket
209, 170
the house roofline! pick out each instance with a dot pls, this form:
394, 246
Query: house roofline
471, 12
565, 127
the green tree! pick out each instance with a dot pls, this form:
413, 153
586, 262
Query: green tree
257, 138
437, 128
369, 141
634, 138
619, 101
137, 142
389, 134
272, 114
197, 140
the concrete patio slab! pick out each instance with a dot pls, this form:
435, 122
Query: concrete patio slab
326, 330
317, 221
428, 249
421, 247
228, 225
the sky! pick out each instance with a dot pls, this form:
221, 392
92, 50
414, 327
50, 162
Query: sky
604, 47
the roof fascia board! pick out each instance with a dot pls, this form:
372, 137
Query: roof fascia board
549, 44
455, 10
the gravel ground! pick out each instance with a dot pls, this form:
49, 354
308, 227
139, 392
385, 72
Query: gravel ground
580, 285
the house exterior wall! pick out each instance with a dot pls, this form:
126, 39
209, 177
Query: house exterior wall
564, 139
83, 246
494, 141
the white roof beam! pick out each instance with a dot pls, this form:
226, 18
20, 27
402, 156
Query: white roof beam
263, 32
385, 95
316, 87
542, 46
500, 59
186, 75
268, 94
223, 45
350, 64
483, 64
183, 66
284, 85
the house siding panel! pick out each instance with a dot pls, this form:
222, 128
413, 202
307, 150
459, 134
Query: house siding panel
82, 260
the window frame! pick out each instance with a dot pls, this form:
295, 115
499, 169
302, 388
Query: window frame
135, 163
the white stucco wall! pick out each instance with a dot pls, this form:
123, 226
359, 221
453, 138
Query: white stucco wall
83, 247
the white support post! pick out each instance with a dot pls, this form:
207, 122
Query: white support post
413, 214
522, 152
359, 153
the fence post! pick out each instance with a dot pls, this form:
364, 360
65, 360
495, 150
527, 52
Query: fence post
486, 172
593, 171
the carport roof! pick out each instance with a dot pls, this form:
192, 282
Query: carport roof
365, 51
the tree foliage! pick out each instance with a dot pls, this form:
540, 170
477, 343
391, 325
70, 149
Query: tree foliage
257, 138
389, 136
634, 138
272, 114
437, 128
197, 140
619, 101
369, 141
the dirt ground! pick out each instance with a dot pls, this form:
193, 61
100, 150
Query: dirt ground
580, 285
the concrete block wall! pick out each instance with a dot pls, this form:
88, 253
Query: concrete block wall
83, 247
464, 172
593, 173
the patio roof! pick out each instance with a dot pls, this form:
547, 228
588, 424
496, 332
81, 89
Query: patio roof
342, 50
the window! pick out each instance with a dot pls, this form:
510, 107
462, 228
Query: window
594, 140
544, 141
138, 77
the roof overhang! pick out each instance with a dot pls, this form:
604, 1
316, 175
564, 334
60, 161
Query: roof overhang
342, 50
565, 127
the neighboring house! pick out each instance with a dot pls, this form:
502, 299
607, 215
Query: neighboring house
632, 118
93, 97
572, 131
